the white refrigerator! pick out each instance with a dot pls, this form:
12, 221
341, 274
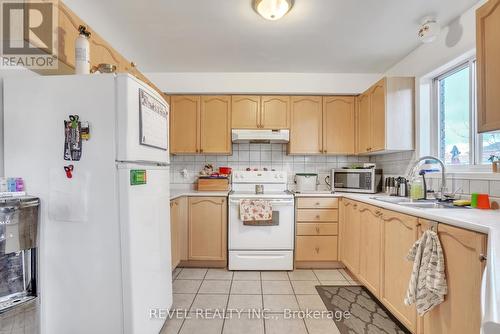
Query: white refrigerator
104, 264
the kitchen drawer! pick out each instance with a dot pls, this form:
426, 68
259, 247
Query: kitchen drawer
317, 203
316, 248
317, 229
319, 215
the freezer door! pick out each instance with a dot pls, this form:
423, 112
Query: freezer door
145, 243
142, 122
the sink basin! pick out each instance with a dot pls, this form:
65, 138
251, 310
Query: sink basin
423, 204
394, 200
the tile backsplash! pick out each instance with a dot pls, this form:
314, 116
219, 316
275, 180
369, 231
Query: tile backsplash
399, 164
185, 168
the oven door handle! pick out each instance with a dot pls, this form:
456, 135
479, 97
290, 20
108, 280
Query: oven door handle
273, 202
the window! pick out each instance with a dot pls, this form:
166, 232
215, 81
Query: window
459, 144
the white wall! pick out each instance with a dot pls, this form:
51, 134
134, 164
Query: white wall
272, 83
455, 44
6, 74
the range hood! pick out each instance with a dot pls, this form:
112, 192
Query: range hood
261, 136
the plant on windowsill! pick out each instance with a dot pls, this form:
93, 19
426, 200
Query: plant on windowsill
495, 163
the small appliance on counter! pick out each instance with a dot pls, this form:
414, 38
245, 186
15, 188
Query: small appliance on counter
356, 180
306, 182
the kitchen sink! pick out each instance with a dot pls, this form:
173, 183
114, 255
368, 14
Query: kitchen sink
422, 204
393, 200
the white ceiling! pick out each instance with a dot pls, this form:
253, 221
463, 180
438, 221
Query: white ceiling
330, 36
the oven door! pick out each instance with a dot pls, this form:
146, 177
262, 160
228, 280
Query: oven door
354, 180
278, 236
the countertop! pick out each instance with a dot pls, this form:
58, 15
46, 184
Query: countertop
176, 193
483, 221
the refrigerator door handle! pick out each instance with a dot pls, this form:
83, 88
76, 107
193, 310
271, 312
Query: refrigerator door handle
144, 162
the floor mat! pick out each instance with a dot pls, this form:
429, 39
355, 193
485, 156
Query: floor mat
366, 314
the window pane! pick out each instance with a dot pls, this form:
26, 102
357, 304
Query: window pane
490, 145
454, 127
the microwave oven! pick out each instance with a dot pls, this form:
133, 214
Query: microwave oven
365, 180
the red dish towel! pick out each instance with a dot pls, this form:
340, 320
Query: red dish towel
255, 211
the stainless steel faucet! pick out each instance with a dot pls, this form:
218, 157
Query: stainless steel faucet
411, 174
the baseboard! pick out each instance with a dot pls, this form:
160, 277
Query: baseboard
319, 265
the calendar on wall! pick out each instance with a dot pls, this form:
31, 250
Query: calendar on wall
153, 121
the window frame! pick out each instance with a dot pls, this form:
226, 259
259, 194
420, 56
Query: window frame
475, 139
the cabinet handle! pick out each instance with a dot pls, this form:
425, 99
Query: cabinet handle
317, 204
201, 150
317, 229
317, 250
355, 206
325, 151
482, 257
318, 216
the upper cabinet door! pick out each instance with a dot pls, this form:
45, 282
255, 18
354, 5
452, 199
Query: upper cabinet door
377, 101
488, 66
306, 125
185, 110
275, 112
245, 111
338, 125
215, 125
364, 123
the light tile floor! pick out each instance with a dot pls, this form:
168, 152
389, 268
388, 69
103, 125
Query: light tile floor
212, 301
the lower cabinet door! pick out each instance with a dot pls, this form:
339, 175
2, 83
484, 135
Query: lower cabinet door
175, 234
460, 313
399, 235
316, 248
207, 228
370, 248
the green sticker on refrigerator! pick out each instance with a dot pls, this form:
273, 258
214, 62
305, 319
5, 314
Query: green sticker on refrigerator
138, 177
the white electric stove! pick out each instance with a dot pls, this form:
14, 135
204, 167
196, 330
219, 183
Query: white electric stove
267, 247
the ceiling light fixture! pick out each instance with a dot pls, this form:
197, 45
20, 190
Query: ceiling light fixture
429, 30
272, 9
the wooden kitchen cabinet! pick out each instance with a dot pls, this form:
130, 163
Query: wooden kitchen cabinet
488, 66
306, 127
175, 232
364, 123
275, 112
370, 250
207, 229
316, 248
215, 125
385, 122
316, 241
200, 124
338, 124
184, 124
399, 234
245, 111
377, 104
350, 235
460, 313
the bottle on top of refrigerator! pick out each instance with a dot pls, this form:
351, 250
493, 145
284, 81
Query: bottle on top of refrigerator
3, 185
19, 184
11, 184
82, 51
